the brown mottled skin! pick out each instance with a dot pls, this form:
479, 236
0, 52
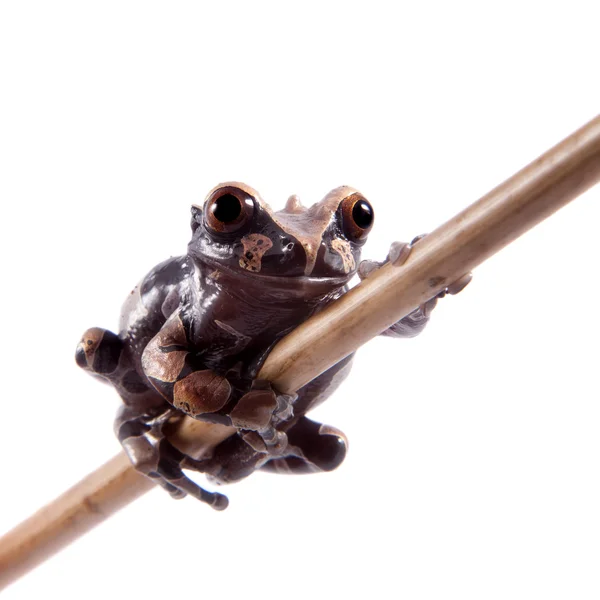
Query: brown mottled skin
195, 331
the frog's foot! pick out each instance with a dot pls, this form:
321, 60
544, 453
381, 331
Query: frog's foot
260, 412
145, 444
99, 351
313, 448
398, 255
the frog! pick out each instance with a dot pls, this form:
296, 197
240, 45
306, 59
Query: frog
195, 331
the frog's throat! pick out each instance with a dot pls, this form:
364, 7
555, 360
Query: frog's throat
312, 286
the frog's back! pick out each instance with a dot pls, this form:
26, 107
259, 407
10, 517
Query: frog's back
151, 302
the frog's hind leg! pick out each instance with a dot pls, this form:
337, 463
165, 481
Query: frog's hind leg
141, 419
99, 351
143, 439
313, 448
103, 354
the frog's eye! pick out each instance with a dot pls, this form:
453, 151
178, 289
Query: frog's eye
228, 209
357, 217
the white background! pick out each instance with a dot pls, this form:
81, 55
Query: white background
474, 467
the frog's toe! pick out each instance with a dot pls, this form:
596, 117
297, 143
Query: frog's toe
170, 476
174, 492
178, 485
275, 441
367, 267
188, 487
399, 253
460, 284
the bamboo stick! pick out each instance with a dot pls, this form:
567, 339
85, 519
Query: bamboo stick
103, 492
389, 294
95, 498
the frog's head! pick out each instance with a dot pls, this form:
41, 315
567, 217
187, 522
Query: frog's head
238, 233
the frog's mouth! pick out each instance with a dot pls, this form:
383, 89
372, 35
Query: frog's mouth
285, 286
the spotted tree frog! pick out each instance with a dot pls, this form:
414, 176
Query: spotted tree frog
194, 333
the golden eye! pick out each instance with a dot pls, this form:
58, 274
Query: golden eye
357, 217
228, 209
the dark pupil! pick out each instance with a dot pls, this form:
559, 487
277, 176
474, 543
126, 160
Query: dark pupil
362, 213
227, 208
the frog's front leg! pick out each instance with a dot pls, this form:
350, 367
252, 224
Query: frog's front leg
172, 368
143, 439
259, 412
167, 363
415, 322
